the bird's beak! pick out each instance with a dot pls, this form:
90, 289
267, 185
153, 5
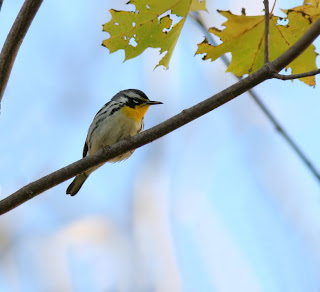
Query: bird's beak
151, 102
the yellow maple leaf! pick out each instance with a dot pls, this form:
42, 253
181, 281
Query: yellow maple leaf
315, 3
244, 38
198, 5
134, 31
310, 9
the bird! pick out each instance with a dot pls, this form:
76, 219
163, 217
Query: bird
118, 119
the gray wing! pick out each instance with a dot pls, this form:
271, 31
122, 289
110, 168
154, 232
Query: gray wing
85, 148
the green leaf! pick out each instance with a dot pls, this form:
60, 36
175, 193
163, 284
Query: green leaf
150, 25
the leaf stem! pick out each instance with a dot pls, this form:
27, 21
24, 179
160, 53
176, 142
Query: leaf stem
273, 6
266, 30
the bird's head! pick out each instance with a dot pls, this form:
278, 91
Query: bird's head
136, 103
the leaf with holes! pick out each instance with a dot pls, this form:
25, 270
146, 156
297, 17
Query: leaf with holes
310, 9
150, 25
244, 38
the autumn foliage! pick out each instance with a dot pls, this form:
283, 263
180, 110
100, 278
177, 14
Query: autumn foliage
150, 24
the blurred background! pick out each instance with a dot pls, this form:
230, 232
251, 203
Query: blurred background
222, 204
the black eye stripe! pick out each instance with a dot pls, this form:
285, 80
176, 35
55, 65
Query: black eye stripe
134, 101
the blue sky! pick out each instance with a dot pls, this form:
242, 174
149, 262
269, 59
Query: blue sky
222, 204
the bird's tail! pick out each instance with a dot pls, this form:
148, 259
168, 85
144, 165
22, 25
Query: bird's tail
76, 184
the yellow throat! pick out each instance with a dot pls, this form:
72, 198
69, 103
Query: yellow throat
136, 113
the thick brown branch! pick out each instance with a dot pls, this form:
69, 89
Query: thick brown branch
14, 39
266, 72
296, 76
35, 188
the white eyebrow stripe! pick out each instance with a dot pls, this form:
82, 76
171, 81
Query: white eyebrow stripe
122, 99
133, 94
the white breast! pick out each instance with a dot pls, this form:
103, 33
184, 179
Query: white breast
110, 131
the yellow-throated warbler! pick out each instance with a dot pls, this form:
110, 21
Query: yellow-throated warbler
118, 119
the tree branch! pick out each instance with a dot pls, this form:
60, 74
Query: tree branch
35, 188
296, 76
266, 72
14, 39
262, 106
266, 30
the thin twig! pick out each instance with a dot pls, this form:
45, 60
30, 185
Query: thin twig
296, 76
1, 1
266, 72
266, 30
197, 17
14, 39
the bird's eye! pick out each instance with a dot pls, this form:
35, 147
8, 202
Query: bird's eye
135, 101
